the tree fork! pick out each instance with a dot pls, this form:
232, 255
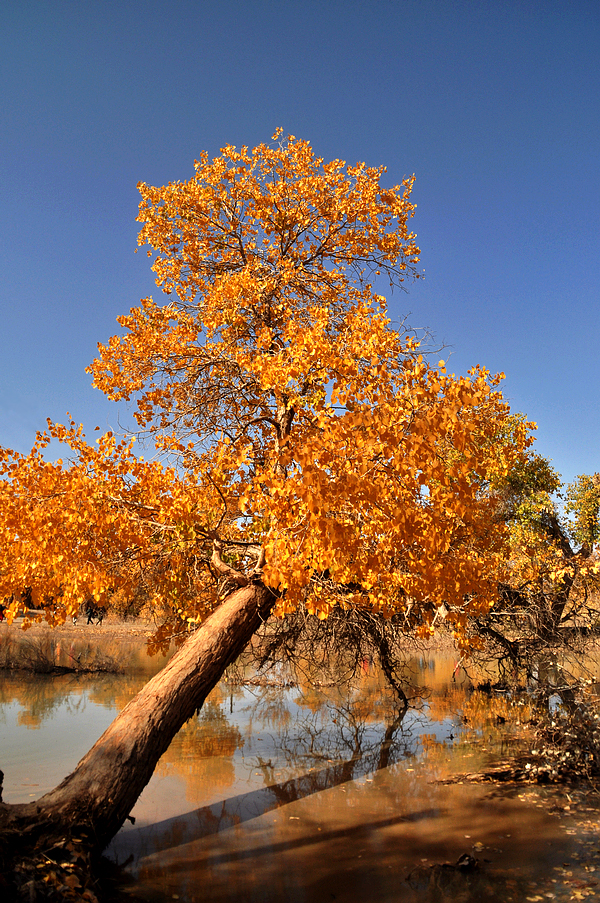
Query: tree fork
97, 797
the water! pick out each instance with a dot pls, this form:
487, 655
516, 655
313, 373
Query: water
302, 794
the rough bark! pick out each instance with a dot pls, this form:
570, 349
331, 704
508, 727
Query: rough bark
96, 798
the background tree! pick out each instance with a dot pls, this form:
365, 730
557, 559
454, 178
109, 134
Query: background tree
310, 453
582, 506
550, 581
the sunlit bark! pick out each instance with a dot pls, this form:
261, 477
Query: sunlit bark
96, 798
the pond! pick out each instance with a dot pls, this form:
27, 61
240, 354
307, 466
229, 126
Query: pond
303, 793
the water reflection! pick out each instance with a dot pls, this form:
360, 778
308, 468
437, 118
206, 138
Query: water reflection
295, 793
309, 744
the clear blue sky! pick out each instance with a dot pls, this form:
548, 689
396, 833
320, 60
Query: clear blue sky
494, 104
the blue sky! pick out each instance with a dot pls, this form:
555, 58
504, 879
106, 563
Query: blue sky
493, 104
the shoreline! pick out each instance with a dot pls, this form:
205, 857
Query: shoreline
113, 627
110, 627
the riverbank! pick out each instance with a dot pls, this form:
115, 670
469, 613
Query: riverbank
79, 648
112, 630
110, 627
363, 810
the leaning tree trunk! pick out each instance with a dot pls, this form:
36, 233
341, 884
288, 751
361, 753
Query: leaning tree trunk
96, 798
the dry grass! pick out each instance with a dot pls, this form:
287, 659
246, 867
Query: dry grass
47, 653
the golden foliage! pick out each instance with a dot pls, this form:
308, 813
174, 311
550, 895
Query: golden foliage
311, 444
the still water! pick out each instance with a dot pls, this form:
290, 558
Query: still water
299, 793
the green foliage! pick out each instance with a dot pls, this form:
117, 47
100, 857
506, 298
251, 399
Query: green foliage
525, 493
582, 504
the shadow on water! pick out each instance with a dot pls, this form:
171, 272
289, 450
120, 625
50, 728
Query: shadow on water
374, 825
235, 810
294, 794
344, 848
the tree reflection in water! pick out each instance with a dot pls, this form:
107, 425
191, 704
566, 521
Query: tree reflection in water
288, 784
313, 745
331, 777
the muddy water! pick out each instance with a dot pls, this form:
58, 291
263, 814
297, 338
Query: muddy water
277, 793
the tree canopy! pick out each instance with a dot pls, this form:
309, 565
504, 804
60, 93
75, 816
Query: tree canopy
306, 455
549, 580
302, 439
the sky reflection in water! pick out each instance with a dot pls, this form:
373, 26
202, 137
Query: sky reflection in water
295, 794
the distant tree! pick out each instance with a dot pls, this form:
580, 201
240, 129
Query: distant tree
549, 583
582, 500
311, 454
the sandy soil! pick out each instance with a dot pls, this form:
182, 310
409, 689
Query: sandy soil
110, 628
113, 627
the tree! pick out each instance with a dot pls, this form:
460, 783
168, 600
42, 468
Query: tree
310, 453
550, 574
583, 507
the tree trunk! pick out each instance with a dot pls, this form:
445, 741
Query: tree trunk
96, 798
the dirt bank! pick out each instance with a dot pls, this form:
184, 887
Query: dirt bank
109, 629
